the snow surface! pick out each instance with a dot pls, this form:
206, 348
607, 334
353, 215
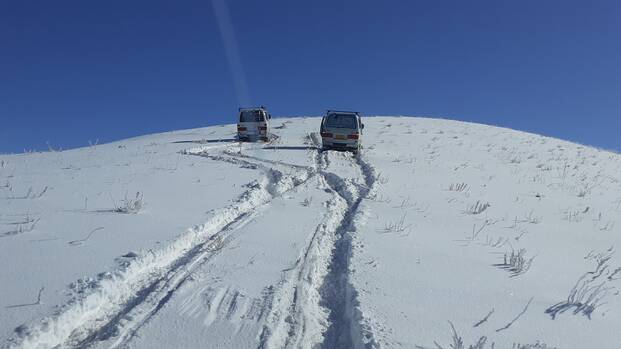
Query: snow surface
438, 234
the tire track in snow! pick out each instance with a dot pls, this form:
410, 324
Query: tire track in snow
121, 304
174, 280
149, 301
275, 176
316, 290
276, 179
338, 294
295, 318
268, 161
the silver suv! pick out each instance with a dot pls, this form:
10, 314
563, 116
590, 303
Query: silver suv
253, 124
341, 130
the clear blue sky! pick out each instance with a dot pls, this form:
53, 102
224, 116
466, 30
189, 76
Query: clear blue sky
74, 71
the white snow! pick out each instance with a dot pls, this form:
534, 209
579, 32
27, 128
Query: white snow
438, 233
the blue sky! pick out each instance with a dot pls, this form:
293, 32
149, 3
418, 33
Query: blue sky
74, 71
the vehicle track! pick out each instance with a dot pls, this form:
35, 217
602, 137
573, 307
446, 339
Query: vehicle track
150, 300
182, 271
338, 294
117, 309
313, 291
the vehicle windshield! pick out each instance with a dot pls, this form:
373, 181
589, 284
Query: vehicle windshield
341, 121
251, 116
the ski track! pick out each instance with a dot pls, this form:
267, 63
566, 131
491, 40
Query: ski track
314, 304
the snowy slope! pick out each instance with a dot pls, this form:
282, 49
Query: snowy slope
439, 232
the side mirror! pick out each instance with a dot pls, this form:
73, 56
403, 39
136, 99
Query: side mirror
362, 126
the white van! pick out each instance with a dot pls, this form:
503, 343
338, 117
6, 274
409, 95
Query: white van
253, 124
341, 130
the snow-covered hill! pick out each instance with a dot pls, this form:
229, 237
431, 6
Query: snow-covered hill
438, 233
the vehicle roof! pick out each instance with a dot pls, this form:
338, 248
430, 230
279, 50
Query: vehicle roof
253, 108
342, 112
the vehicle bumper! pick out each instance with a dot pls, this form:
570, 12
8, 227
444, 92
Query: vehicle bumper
252, 137
341, 145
